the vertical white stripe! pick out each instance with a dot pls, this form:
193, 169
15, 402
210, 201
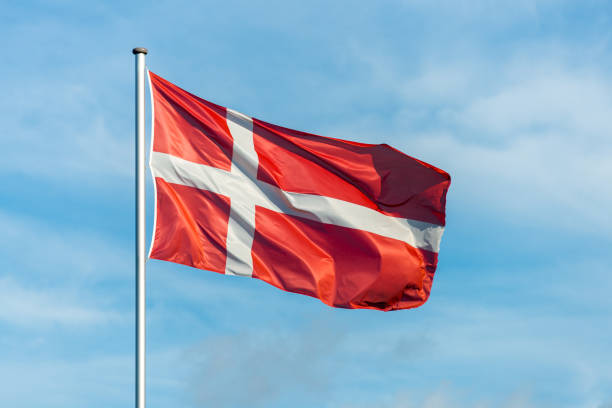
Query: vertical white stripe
241, 225
244, 157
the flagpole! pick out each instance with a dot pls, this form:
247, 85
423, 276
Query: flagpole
140, 53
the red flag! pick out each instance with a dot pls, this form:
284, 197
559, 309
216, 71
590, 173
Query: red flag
355, 225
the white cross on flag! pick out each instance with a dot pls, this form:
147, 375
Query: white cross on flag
355, 225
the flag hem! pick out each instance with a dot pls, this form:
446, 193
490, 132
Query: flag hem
151, 167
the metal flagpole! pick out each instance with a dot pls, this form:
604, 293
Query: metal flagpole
140, 226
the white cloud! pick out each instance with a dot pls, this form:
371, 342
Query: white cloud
446, 396
501, 14
56, 128
34, 247
571, 104
526, 138
37, 308
538, 182
105, 380
259, 368
62, 268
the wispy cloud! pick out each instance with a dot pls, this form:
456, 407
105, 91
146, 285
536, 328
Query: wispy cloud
259, 368
511, 98
22, 306
61, 382
524, 136
63, 267
36, 247
447, 396
57, 130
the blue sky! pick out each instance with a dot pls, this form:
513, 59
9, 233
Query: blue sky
513, 99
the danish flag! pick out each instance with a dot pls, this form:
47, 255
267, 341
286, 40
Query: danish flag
355, 225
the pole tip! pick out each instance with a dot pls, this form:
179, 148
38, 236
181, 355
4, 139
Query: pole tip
140, 50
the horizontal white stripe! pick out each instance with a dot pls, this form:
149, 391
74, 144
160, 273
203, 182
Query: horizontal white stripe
245, 190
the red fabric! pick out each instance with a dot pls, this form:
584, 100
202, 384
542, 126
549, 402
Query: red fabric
191, 226
341, 266
184, 124
375, 176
